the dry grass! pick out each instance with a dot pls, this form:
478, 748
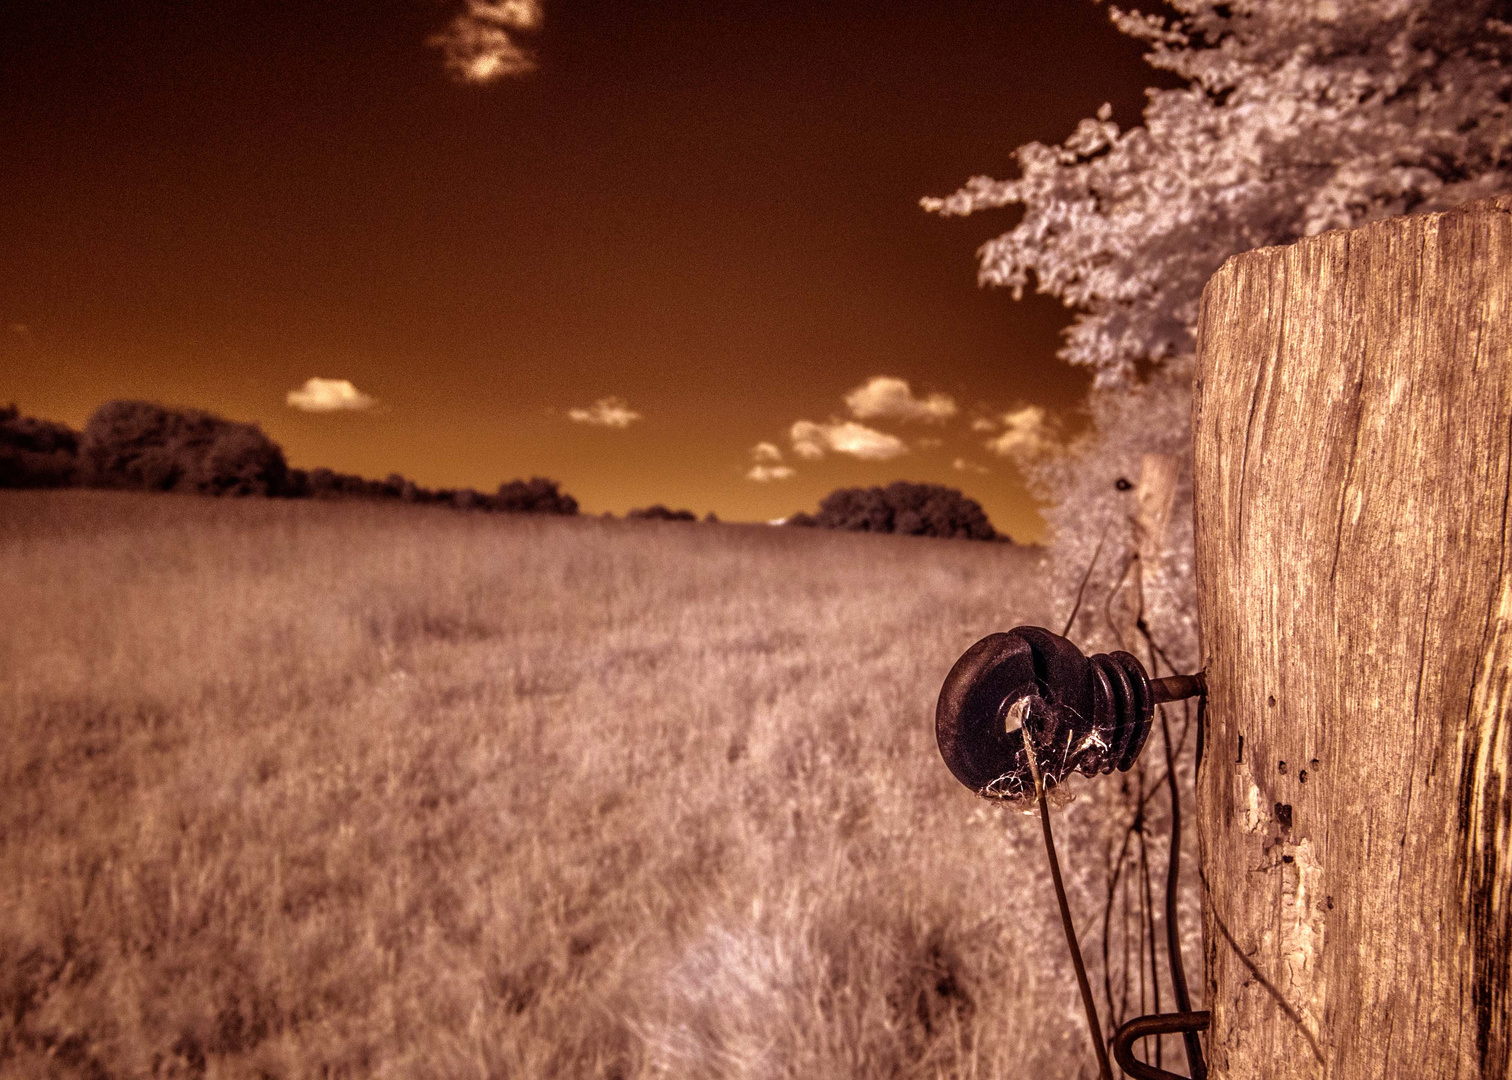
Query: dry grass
340, 790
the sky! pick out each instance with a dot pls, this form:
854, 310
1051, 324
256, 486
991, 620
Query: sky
662, 253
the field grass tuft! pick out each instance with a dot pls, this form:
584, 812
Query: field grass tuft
341, 790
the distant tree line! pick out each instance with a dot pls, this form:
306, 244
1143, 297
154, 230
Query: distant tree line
902, 507
145, 447
140, 446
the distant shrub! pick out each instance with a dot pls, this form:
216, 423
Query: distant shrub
902, 507
396, 486
136, 444
36, 453
534, 496
661, 513
240, 460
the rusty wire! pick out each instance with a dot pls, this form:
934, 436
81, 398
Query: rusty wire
1185, 1022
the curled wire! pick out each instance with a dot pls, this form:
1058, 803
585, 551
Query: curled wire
1104, 1070
1186, 1022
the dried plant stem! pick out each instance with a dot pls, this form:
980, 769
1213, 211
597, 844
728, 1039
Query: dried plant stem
1082, 588
1147, 906
1196, 1066
1142, 891
1123, 575
1115, 873
1123, 1001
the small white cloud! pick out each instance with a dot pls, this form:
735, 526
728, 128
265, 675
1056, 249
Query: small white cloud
885, 396
606, 412
765, 452
480, 43
962, 465
864, 442
808, 439
329, 395
1025, 432
764, 473
981, 423
811, 440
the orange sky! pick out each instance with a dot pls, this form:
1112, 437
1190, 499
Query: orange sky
707, 210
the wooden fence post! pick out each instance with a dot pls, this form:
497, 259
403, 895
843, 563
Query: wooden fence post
1353, 426
1154, 496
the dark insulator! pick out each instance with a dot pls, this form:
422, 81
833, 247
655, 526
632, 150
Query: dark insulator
1083, 714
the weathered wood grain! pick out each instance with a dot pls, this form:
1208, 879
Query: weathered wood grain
1353, 426
1155, 495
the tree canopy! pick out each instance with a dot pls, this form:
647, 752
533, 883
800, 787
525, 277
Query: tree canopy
1298, 116
137, 444
903, 507
36, 453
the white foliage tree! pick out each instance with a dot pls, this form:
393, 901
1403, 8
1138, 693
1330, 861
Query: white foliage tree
1298, 116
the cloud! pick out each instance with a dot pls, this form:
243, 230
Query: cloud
981, 423
765, 455
811, 440
885, 396
606, 412
808, 439
480, 43
1025, 432
962, 465
764, 473
329, 395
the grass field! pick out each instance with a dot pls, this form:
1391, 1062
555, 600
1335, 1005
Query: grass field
294, 789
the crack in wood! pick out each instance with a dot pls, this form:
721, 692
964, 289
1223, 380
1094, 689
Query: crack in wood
1269, 986
1485, 817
